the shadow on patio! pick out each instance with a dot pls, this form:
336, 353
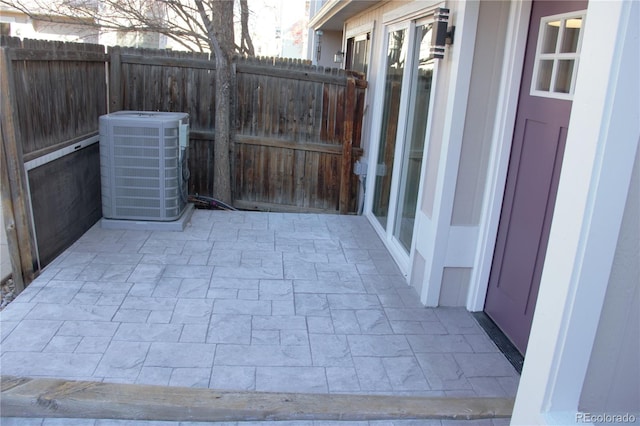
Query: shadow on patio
247, 301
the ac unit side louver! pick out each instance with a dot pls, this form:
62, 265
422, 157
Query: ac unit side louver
143, 158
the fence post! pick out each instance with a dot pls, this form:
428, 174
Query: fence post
347, 145
115, 79
14, 194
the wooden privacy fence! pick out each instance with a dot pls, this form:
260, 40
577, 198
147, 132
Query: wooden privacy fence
296, 133
51, 97
162, 80
296, 127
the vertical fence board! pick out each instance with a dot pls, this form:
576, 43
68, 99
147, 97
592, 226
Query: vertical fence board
347, 146
10, 226
12, 153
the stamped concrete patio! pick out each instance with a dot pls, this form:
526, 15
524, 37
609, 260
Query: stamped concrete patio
246, 301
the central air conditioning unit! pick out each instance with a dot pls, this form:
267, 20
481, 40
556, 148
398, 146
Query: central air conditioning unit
143, 165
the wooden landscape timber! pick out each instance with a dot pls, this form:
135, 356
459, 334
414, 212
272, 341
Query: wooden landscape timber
26, 397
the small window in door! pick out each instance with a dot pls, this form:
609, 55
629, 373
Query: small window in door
557, 55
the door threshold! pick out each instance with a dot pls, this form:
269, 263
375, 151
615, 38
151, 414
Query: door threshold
501, 340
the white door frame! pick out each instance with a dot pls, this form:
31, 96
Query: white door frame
602, 141
516, 40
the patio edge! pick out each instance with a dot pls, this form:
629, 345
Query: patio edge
46, 397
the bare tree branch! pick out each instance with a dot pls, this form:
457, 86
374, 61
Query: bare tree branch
198, 25
179, 20
246, 45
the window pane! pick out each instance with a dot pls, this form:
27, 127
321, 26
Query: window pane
571, 35
544, 75
396, 58
360, 55
414, 145
551, 30
564, 74
348, 57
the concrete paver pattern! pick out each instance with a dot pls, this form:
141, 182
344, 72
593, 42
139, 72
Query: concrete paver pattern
243, 300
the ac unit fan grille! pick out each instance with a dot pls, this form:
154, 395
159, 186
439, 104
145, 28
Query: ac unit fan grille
140, 159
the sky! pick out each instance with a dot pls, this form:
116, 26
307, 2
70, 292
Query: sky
268, 16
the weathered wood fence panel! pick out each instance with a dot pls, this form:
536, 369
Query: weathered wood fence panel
293, 122
296, 133
163, 80
55, 93
289, 124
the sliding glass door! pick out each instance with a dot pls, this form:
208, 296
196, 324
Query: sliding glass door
414, 140
394, 74
404, 118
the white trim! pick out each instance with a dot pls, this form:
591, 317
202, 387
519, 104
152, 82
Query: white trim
556, 56
359, 30
37, 162
400, 143
602, 142
421, 218
516, 40
411, 11
326, 12
376, 126
461, 58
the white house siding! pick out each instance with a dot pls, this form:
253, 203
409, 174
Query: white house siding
331, 42
481, 112
437, 243
612, 384
449, 212
475, 152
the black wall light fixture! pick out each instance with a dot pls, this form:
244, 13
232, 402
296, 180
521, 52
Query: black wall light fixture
441, 34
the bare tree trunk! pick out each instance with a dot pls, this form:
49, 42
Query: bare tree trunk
219, 42
222, 157
215, 18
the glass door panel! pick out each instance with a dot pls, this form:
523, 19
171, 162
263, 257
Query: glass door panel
417, 118
396, 58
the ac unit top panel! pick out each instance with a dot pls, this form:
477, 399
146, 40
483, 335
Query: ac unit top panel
147, 117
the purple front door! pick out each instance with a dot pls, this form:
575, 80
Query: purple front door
542, 120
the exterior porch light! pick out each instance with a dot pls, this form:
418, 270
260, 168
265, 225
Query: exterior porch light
441, 34
338, 57
319, 44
